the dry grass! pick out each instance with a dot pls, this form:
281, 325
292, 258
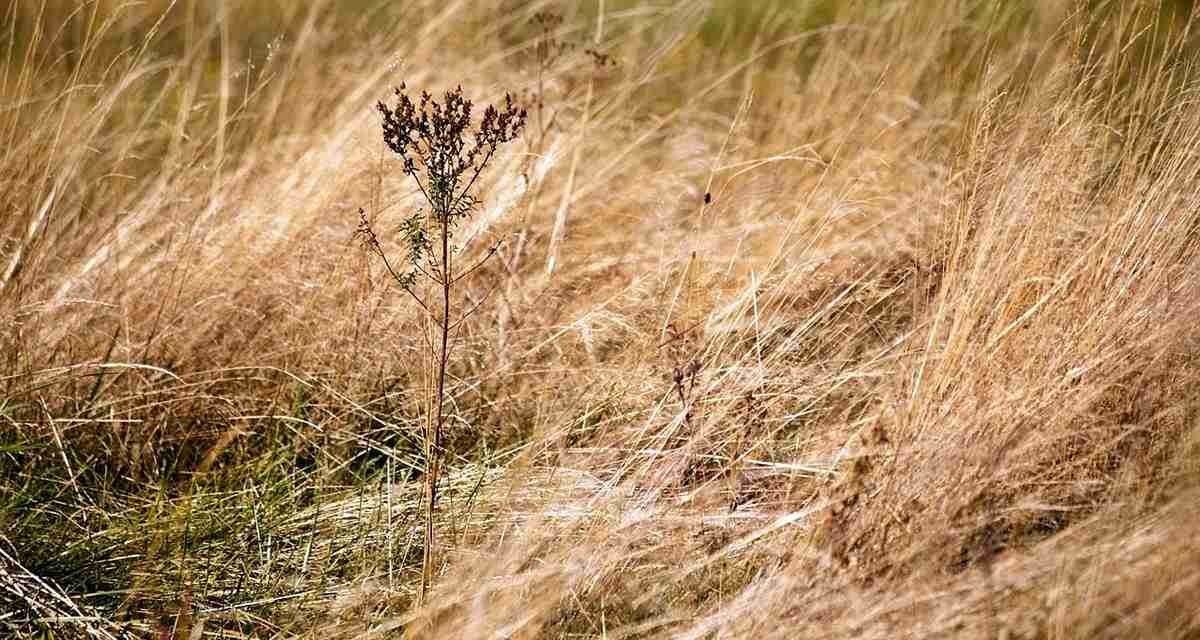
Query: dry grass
925, 366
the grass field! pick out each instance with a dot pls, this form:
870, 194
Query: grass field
810, 319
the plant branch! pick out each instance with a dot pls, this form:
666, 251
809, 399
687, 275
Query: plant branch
473, 308
491, 252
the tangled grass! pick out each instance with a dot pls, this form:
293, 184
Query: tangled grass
818, 319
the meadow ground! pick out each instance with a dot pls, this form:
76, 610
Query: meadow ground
809, 319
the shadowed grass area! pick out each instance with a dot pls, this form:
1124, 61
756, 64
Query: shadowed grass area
867, 319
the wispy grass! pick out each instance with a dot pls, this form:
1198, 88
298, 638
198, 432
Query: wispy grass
863, 320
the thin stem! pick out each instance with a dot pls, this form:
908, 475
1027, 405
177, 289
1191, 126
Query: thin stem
487, 158
400, 281
433, 436
421, 187
473, 309
491, 252
418, 267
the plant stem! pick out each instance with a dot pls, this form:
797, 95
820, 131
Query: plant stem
433, 435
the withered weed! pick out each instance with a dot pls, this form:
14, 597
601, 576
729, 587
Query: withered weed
444, 157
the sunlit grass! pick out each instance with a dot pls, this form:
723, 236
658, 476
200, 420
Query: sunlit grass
867, 319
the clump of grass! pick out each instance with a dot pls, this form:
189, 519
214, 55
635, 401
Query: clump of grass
444, 158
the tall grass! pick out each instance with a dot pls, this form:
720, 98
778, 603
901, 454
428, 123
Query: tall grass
863, 320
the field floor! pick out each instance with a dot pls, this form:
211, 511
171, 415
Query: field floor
792, 319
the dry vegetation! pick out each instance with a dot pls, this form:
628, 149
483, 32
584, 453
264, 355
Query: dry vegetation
923, 363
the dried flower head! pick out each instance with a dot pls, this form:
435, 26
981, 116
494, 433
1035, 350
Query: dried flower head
444, 155
438, 146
